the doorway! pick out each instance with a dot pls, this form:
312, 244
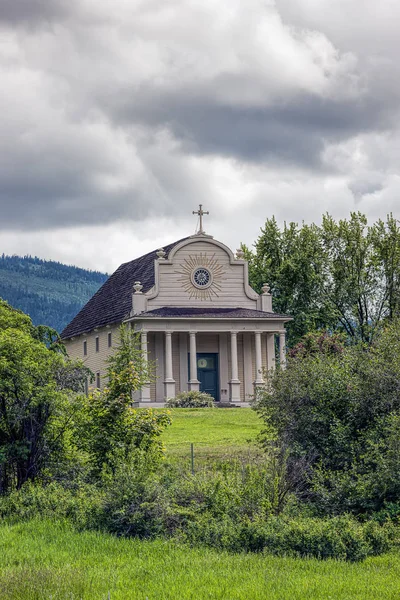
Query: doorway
207, 373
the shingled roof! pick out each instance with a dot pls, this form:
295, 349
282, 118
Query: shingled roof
178, 312
112, 303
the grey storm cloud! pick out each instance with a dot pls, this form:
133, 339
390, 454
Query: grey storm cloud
106, 117
292, 132
32, 12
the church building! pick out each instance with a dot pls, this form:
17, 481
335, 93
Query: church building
200, 323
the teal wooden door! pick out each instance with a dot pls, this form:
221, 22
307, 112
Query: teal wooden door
207, 374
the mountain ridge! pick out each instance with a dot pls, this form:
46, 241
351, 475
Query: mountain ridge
50, 292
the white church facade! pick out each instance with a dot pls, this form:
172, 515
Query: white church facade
201, 325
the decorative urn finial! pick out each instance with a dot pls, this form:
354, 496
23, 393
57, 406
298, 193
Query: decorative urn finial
239, 254
137, 287
161, 253
265, 288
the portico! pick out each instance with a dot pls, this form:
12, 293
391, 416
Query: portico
240, 351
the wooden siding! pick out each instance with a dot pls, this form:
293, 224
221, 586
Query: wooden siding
95, 361
229, 285
207, 342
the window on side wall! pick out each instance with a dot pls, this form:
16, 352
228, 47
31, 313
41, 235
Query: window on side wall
85, 348
97, 344
98, 380
109, 339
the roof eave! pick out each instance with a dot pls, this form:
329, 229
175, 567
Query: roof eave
198, 318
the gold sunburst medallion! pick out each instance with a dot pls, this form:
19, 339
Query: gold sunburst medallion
201, 276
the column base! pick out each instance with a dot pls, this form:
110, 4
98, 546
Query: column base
234, 385
194, 385
169, 388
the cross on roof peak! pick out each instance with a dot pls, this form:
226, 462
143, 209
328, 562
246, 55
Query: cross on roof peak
200, 214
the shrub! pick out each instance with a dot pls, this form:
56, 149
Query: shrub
82, 505
191, 399
341, 538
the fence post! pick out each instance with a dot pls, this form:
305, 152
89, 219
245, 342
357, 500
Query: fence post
192, 456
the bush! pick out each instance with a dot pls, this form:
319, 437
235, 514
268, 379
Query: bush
82, 506
341, 538
191, 399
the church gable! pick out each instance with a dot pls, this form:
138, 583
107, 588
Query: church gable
201, 272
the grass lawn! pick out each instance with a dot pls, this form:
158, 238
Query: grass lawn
216, 433
46, 560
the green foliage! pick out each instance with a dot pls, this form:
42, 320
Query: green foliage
192, 399
337, 414
319, 342
341, 538
341, 275
226, 510
108, 428
50, 292
293, 263
30, 401
80, 504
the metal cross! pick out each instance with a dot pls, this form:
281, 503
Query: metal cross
200, 213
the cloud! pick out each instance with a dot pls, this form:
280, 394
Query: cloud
30, 13
125, 117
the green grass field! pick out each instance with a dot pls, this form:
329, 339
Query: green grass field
215, 433
45, 560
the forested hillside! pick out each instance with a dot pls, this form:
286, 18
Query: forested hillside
49, 292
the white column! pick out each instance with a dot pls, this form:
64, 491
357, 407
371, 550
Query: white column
194, 383
234, 382
145, 391
159, 366
282, 349
223, 367
169, 382
183, 362
259, 376
270, 351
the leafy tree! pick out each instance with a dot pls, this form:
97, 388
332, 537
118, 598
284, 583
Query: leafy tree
341, 275
29, 399
110, 430
336, 412
292, 262
36, 405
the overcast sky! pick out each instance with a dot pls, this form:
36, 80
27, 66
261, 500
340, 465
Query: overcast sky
118, 118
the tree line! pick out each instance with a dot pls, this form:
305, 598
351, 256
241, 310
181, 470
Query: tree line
50, 292
339, 276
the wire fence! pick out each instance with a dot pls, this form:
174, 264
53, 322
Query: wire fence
199, 456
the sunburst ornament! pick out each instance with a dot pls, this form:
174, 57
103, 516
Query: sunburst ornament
201, 276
